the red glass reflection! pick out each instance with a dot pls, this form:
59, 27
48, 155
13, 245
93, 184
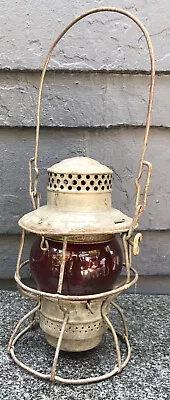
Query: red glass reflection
89, 268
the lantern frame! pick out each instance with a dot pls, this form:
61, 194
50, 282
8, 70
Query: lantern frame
129, 242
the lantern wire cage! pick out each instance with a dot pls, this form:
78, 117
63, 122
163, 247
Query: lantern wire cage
129, 240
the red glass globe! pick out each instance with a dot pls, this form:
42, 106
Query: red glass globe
89, 269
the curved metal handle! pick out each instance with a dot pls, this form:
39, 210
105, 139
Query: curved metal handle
33, 186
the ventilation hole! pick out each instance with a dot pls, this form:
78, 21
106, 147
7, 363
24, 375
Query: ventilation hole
62, 175
87, 188
65, 181
70, 176
73, 331
82, 327
120, 222
48, 179
92, 183
103, 176
79, 188
69, 187
61, 187
50, 185
99, 183
55, 174
74, 182
95, 176
102, 187
55, 186
51, 174
66, 331
80, 331
105, 181
77, 327
91, 329
107, 187
110, 181
69, 327
94, 325
95, 188
107, 176
88, 176
58, 180
52, 180
79, 176
83, 183
85, 331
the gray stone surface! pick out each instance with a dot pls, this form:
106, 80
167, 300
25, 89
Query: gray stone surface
87, 99
82, 99
146, 377
27, 29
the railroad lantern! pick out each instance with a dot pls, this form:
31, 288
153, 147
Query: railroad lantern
77, 258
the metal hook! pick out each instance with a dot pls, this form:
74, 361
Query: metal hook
44, 246
137, 240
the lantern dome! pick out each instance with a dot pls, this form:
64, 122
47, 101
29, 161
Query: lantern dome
78, 202
77, 165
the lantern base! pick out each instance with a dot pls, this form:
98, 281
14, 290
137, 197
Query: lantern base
67, 305
53, 376
75, 345
85, 326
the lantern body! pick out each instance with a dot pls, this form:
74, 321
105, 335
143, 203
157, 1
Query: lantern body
76, 253
76, 280
89, 269
79, 210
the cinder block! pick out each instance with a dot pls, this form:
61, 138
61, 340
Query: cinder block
103, 40
82, 100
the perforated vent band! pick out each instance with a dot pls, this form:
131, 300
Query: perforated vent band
80, 183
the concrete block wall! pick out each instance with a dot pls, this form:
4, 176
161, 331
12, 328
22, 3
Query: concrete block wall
94, 104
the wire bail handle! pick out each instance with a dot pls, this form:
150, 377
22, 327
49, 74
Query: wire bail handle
140, 205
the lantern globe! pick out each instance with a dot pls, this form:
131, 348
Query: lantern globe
89, 268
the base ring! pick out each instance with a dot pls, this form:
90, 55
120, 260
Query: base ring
16, 336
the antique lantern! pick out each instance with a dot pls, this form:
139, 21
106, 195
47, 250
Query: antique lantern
76, 258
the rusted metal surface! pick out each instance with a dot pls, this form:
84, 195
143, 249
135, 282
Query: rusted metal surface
48, 222
89, 217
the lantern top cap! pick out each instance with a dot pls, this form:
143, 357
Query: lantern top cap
80, 165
